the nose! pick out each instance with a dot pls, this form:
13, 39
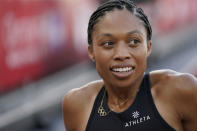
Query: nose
121, 52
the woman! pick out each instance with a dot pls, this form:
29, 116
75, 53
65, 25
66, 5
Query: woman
119, 37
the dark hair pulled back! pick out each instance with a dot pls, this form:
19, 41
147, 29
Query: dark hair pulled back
118, 4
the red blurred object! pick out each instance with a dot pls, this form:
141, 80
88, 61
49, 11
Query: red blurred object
167, 15
35, 40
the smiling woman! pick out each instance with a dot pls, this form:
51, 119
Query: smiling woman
119, 37
119, 43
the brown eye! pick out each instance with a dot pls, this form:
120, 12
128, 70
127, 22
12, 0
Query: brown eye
134, 42
108, 44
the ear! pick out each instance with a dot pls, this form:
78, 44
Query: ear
91, 52
149, 47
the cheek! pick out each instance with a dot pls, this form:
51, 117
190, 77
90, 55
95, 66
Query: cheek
102, 68
140, 55
102, 59
101, 55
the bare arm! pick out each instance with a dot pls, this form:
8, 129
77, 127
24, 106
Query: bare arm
175, 95
188, 102
70, 111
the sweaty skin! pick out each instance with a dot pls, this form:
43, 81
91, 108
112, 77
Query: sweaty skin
120, 41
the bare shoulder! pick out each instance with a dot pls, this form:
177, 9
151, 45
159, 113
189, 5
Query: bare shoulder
77, 105
180, 91
78, 95
174, 80
159, 76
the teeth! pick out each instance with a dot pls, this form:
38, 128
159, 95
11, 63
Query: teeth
125, 69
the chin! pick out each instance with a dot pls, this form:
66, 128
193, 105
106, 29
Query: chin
131, 81
126, 83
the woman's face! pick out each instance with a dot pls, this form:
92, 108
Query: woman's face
120, 48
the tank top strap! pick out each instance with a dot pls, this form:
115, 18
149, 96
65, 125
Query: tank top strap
95, 107
153, 106
145, 86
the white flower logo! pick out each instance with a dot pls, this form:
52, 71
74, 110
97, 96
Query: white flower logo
135, 114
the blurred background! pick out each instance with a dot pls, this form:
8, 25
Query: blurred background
43, 54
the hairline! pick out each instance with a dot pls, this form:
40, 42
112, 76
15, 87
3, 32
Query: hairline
134, 12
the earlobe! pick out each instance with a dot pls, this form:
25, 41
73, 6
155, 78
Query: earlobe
149, 47
91, 53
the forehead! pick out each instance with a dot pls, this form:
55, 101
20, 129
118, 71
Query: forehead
119, 21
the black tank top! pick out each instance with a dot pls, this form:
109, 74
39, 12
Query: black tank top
142, 115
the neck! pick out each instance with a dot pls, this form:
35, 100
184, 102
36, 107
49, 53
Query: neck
120, 98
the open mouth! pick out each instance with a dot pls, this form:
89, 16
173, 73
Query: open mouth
122, 69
